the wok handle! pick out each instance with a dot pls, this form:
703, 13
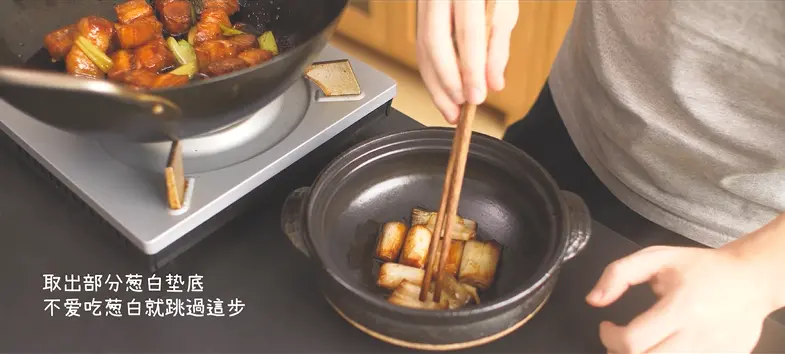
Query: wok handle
293, 218
50, 87
579, 220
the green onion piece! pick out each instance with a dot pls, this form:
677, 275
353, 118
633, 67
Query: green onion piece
193, 15
183, 53
188, 69
189, 50
191, 35
267, 42
96, 55
230, 31
197, 5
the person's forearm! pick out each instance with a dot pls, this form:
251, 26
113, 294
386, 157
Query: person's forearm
765, 248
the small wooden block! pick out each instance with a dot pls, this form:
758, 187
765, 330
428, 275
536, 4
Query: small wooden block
334, 78
175, 177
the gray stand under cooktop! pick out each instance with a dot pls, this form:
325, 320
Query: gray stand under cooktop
124, 183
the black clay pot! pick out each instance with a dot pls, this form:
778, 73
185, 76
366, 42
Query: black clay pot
335, 223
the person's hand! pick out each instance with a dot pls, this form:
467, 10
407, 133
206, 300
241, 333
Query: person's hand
710, 301
452, 81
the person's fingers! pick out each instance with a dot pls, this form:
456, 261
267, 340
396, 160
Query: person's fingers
444, 104
645, 331
472, 48
504, 19
434, 27
435, 45
676, 343
634, 269
608, 332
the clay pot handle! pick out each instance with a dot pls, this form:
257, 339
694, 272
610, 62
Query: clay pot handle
293, 218
579, 224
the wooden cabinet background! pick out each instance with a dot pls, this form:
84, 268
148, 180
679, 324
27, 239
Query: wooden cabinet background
389, 27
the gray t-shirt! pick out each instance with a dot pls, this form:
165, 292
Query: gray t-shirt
679, 108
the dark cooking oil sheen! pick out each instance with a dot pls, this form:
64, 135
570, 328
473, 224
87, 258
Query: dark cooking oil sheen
41, 60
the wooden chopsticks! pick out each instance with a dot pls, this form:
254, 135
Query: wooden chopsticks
451, 191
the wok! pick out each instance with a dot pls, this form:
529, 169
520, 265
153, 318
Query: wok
335, 223
30, 82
